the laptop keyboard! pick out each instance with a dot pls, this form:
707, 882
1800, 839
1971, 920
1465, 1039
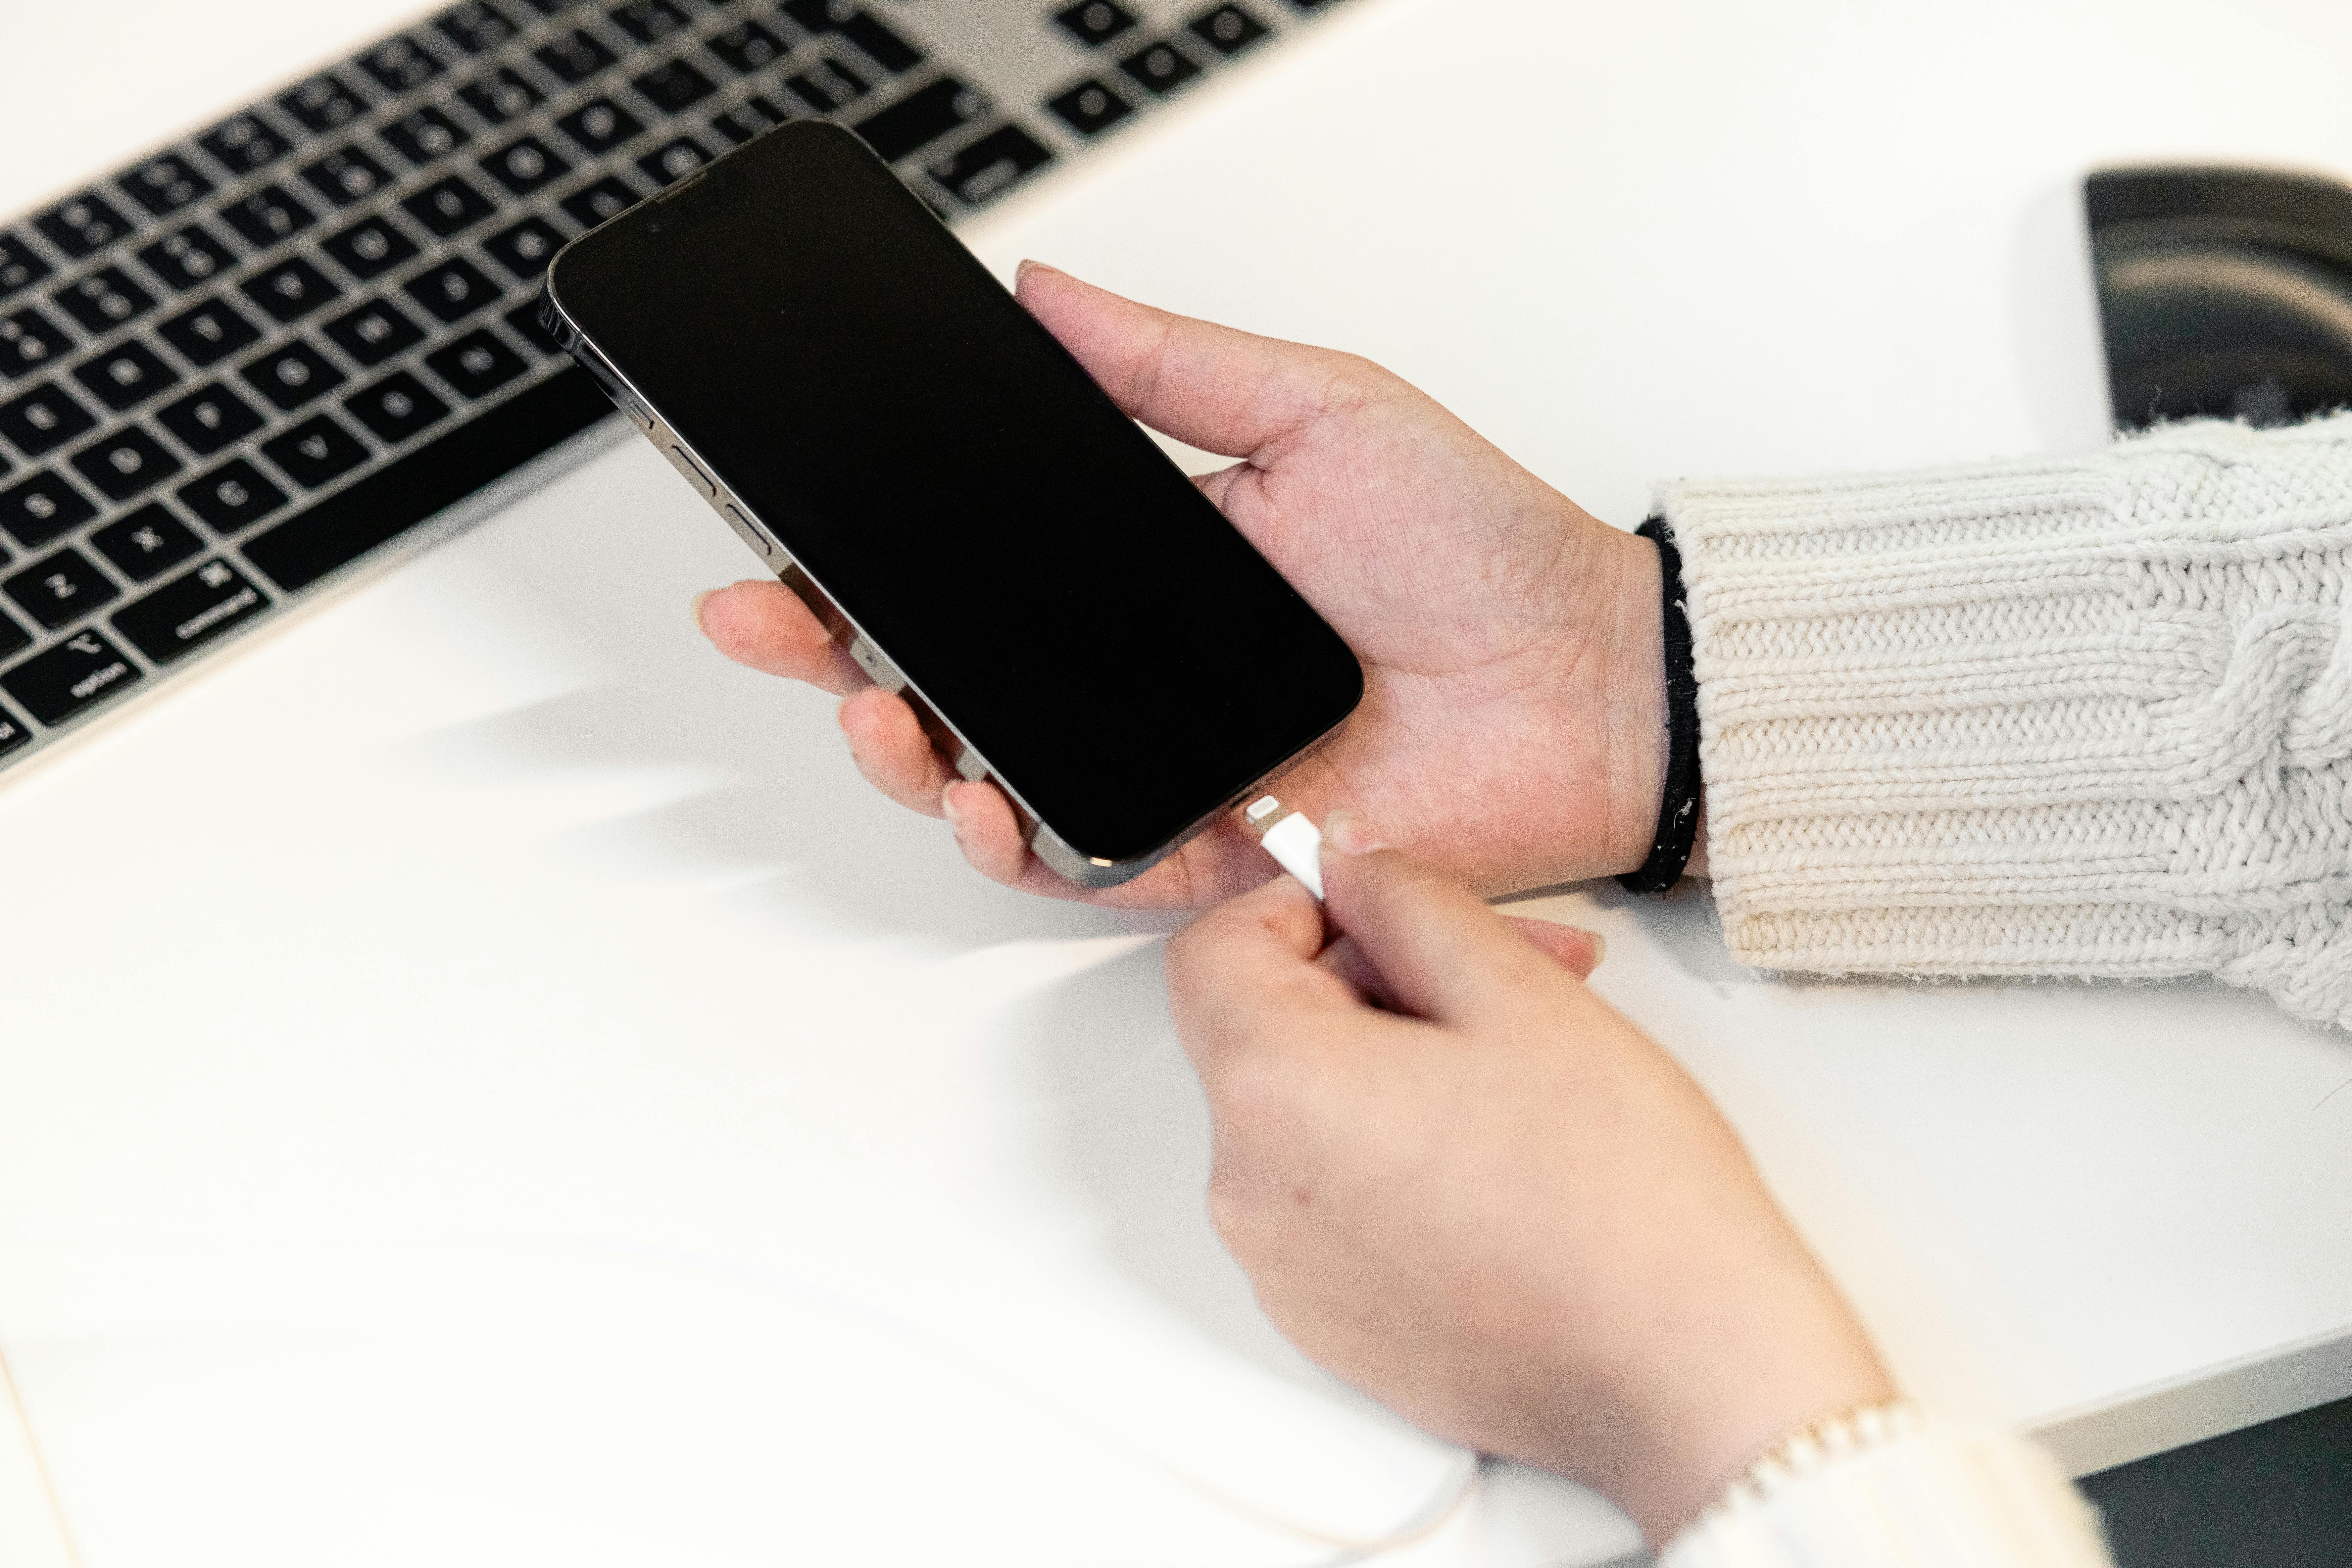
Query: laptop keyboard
306, 337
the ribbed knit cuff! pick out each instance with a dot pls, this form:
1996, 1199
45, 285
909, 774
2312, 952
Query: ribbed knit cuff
1923, 1495
2089, 717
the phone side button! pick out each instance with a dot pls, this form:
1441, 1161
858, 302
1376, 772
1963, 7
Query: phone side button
693, 469
760, 543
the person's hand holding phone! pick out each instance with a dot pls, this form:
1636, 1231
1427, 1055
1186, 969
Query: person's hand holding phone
1463, 1183
1511, 725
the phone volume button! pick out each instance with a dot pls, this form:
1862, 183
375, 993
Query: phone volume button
695, 469
752, 534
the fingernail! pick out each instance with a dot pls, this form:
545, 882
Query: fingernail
699, 601
1352, 835
1599, 947
1028, 267
948, 809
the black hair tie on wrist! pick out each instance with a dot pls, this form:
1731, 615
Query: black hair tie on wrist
1678, 809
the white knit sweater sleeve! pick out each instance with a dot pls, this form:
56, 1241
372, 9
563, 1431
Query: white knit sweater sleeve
2085, 716
1931, 1496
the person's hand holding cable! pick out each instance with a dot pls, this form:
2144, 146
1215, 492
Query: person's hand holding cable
1462, 1181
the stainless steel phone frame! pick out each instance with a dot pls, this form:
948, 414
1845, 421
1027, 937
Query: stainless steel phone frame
1048, 846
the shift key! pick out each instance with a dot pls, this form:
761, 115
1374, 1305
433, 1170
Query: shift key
190, 610
68, 677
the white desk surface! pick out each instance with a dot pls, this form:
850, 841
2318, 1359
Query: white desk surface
482, 1081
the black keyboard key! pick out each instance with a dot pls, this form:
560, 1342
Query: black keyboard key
59, 588
400, 64
29, 341
315, 451
500, 96
524, 322
291, 374
267, 216
244, 144
526, 248
1158, 69
878, 43
981, 170
424, 136
82, 226
234, 495
1228, 29
190, 610
1089, 107
20, 266
574, 56
648, 21
921, 118
370, 247
827, 85
149, 540
164, 183
591, 204
394, 499
453, 291
396, 407
600, 125
449, 205
747, 47
68, 677
674, 87
105, 299
1094, 22
125, 463
126, 375
13, 733
37, 508
815, 16
525, 165
289, 291
476, 364
674, 161
476, 29
187, 259
373, 333
208, 419
346, 176
208, 333
44, 419
322, 103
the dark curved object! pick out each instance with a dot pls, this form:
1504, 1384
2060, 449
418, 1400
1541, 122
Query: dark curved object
2224, 291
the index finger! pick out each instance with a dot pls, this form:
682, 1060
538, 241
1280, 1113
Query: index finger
1248, 966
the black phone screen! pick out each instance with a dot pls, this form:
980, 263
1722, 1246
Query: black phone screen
1033, 562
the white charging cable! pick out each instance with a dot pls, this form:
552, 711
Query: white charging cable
1295, 842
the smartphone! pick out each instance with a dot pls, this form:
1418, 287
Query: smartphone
953, 496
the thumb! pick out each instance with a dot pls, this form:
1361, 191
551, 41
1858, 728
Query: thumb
1212, 387
1440, 952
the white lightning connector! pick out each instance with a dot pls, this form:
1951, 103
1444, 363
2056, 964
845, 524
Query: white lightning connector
1296, 843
